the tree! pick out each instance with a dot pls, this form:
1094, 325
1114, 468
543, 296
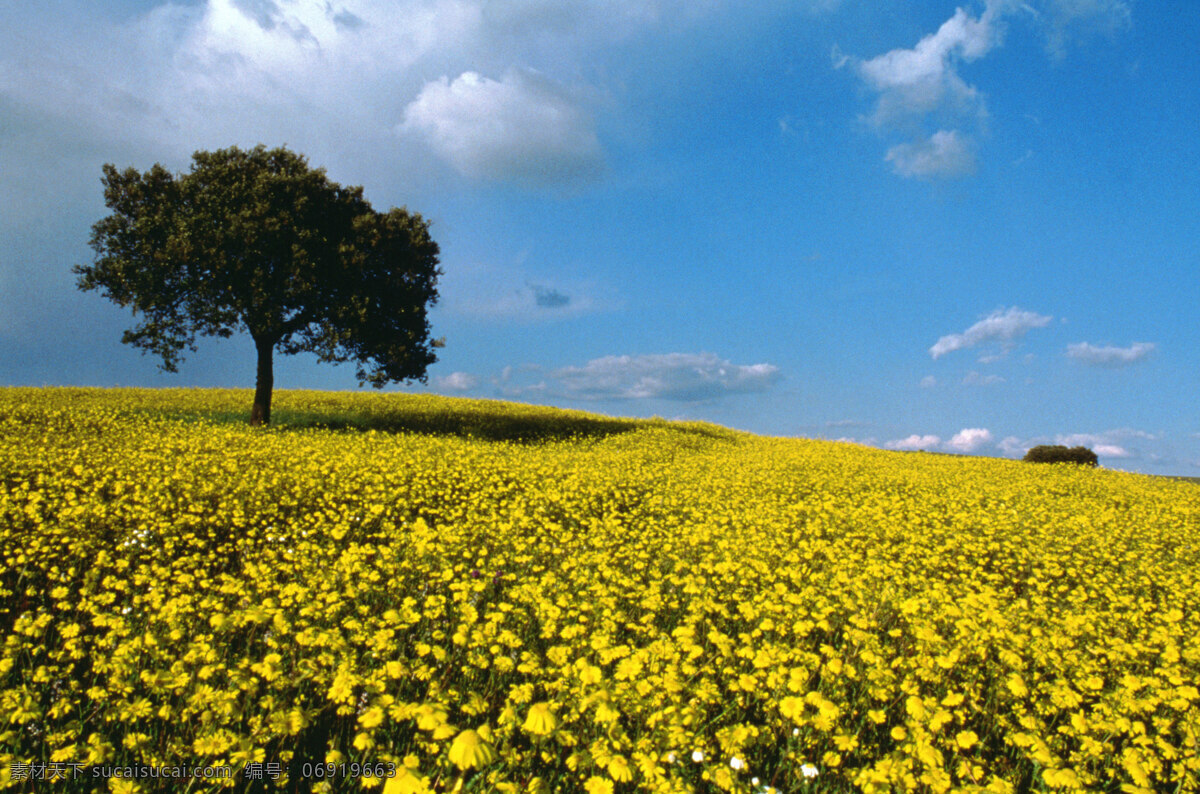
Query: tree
256, 241
1060, 454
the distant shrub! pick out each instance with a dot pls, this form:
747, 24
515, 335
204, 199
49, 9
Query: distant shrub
1060, 454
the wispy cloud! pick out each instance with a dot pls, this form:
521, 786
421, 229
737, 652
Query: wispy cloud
688, 377
913, 82
492, 295
455, 381
1065, 20
1013, 446
945, 154
1004, 326
1123, 442
548, 297
974, 378
914, 442
922, 85
1110, 356
524, 128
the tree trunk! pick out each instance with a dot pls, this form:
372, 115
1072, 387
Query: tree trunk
260, 414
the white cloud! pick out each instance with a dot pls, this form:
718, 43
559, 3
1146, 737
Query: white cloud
973, 378
687, 377
523, 127
913, 85
1013, 446
1110, 451
964, 441
914, 442
1067, 19
919, 80
1107, 437
928, 382
456, 381
969, 439
1121, 442
1110, 356
331, 79
1005, 326
945, 154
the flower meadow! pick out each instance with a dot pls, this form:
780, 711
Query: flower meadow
404, 593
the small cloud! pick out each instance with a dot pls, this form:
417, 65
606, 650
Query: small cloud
1110, 451
1067, 19
524, 128
510, 294
548, 298
1123, 433
914, 442
687, 377
1013, 446
456, 381
346, 20
1005, 326
862, 442
973, 378
837, 57
1122, 442
264, 12
845, 423
1110, 356
921, 86
946, 155
917, 81
969, 439
928, 382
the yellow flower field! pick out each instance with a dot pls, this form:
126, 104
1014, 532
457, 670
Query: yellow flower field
475, 596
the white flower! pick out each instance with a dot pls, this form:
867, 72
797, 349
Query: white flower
754, 781
808, 770
670, 758
697, 756
795, 731
737, 763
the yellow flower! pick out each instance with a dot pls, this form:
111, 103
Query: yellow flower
540, 720
405, 781
966, 739
371, 718
619, 769
791, 707
469, 750
598, 785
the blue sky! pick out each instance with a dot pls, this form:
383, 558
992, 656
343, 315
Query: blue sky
965, 228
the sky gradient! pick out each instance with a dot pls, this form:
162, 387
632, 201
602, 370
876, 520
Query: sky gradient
913, 225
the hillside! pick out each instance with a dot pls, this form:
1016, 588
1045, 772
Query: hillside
515, 598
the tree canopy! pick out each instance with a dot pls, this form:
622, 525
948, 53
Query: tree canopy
258, 242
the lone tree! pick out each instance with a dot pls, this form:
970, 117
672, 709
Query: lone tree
1060, 454
257, 241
